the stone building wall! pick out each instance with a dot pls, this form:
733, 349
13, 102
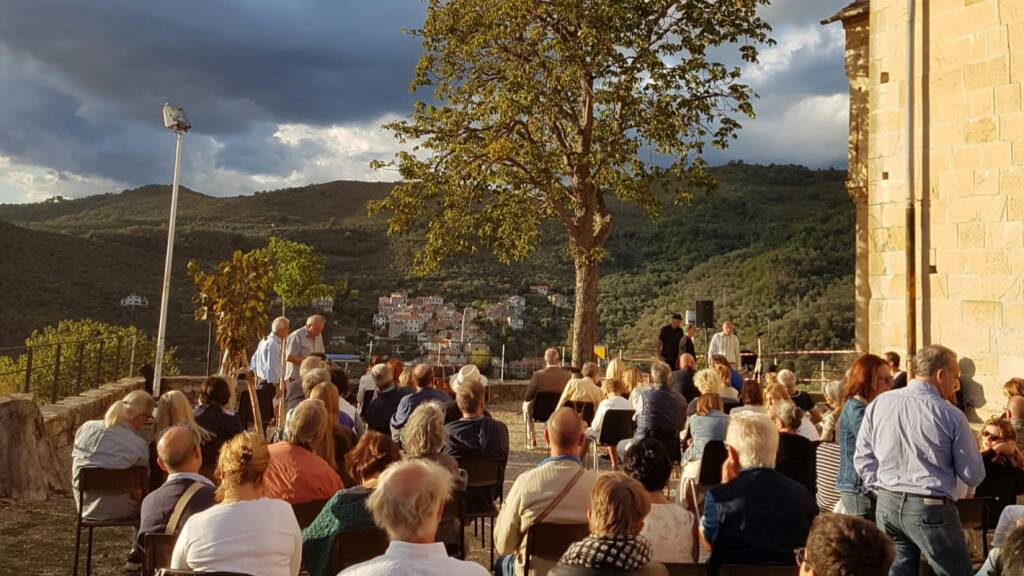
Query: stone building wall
969, 184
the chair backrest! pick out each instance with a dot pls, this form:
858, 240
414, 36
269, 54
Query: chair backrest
745, 570
306, 512
686, 569
549, 541
453, 506
974, 513
124, 480
616, 426
451, 412
351, 548
544, 405
711, 463
584, 409
158, 551
483, 471
729, 404
670, 440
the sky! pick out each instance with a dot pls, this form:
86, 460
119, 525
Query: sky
291, 93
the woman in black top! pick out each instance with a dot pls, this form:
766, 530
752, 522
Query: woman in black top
1004, 465
214, 394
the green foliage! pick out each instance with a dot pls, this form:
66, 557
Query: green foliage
298, 272
91, 353
235, 294
482, 359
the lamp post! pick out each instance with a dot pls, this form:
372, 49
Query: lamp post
175, 121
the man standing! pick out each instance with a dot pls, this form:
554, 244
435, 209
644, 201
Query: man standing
552, 378
687, 346
668, 341
725, 343
266, 365
912, 448
303, 342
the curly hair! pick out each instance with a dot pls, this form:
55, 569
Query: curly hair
707, 381
648, 462
424, 435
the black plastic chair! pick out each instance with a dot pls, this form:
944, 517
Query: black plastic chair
544, 405
549, 541
350, 548
686, 569
584, 409
108, 482
158, 549
451, 412
670, 440
711, 462
974, 515
617, 426
485, 475
306, 512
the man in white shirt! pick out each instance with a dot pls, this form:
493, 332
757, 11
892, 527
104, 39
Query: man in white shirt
266, 360
725, 343
407, 504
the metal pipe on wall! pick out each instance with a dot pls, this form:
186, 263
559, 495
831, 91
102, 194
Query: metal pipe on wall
911, 223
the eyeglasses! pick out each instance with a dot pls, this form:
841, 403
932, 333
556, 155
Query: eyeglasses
801, 556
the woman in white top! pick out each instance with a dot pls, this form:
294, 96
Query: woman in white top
752, 399
670, 528
245, 532
614, 392
778, 393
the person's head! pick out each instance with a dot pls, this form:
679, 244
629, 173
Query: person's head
242, 462
309, 426
374, 360
613, 387
215, 390
686, 360
551, 357
775, 393
397, 368
648, 462
315, 325
310, 363
134, 410
727, 328
1015, 407
327, 394
632, 379
616, 369
833, 392
312, 378
470, 398
720, 360
786, 415
178, 451
173, 409
423, 434
1011, 553
340, 380
893, 359
405, 379
372, 455
1014, 387
723, 371
381, 375
754, 437
618, 506
423, 376
787, 378
707, 381
660, 372
409, 499
281, 326
940, 367
564, 432
840, 545
590, 370
676, 321
691, 329
870, 375
708, 402
751, 394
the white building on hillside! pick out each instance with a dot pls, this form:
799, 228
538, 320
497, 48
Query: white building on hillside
134, 300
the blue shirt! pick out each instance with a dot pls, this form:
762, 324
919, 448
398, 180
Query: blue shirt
266, 360
915, 442
560, 459
409, 403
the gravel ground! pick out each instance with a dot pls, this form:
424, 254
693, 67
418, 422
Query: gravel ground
39, 539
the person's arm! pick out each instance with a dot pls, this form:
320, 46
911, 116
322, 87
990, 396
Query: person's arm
865, 462
507, 529
967, 461
294, 348
565, 394
531, 389
709, 521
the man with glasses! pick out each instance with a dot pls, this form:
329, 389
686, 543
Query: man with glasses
845, 546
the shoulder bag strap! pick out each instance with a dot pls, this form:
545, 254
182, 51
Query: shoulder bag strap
179, 508
561, 495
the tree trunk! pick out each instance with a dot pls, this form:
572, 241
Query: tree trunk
584, 323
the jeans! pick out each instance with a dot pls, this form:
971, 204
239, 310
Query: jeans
921, 526
859, 505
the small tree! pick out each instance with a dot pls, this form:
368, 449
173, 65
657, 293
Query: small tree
298, 272
544, 107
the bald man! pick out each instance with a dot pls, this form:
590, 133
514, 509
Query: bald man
551, 379
177, 454
560, 474
423, 382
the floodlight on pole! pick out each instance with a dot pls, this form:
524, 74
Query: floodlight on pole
176, 121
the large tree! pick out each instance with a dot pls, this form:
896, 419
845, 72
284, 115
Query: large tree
541, 108
298, 273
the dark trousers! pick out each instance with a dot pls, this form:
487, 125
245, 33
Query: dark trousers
921, 526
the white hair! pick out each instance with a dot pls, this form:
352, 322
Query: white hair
786, 413
551, 356
408, 496
786, 377
128, 408
314, 377
279, 323
708, 381
316, 319
754, 437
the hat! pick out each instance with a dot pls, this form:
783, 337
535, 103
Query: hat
677, 317
469, 373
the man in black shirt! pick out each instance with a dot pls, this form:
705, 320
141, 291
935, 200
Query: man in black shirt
682, 380
668, 341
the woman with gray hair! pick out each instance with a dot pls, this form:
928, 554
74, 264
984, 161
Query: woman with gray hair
795, 457
299, 470
833, 397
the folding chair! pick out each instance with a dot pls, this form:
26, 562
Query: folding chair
158, 552
306, 512
974, 515
485, 474
350, 548
544, 405
583, 408
686, 569
753, 570
547, 541
109, 482
453, 512
617, 426
711, 462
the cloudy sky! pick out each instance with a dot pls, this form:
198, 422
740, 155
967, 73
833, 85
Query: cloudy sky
289, 93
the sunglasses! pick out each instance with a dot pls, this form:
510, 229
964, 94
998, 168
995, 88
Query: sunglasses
990, 436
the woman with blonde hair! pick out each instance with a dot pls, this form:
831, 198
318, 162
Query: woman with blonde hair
833, 392
246, 532
616, 370
708, 423
172, 409
634, 381
342, 438
706, 381
300, 466
1013, 387
1004, 465
423, 436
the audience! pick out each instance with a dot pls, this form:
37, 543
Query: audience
912, 448
367, 382
560, 477
214, 396
795, 457
407, 504
476, 434
296, 388
346, 511
172, 409
379, 411
660, 412
707, 381
618, 506
113, 444
1004, 465
616, 370
423, 436
423, 380
845, 546
1007, 559
584, 389
833, 392
707, 424
869, 377
751, 398
347, 415
397, 368
1015, 414
614, 391
186, 492
298, 470
756, 515
343, 438
551, 379
468, 373
1013, 387
635, 384
670, 528
776, 393
682, 380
